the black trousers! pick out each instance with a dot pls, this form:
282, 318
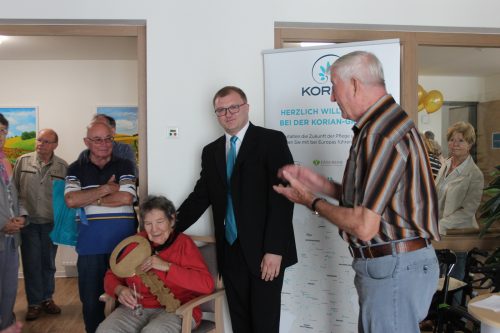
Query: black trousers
254, 304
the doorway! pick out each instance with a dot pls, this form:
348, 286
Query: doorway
79, 33
81, 68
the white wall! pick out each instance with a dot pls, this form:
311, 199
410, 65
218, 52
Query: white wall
454, 89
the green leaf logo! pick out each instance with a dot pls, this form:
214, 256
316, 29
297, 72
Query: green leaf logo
316, 162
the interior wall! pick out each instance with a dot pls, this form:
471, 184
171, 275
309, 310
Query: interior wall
463, 89
492, 88
66, 94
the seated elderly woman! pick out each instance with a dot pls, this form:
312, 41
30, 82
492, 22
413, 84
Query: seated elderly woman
170, 273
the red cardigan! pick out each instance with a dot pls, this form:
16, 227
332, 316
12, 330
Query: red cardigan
187, 278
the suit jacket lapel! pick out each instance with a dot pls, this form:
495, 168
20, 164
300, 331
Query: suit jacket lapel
220, 158
247, 147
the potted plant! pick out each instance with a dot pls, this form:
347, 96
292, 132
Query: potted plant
490, 214
490, 209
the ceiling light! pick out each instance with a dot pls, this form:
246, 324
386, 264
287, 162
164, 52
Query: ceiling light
306, 44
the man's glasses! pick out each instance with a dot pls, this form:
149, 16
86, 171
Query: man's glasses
45, 142
4, 131
100, 141
232, 110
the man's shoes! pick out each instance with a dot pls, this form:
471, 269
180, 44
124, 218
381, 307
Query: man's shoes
50, 307
34, 311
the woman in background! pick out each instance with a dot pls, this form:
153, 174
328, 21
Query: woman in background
459, 186
11, 223
459, 183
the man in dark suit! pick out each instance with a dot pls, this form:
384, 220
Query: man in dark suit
253, 224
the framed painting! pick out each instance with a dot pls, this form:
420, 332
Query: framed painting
495, 140
22, 131
126, 125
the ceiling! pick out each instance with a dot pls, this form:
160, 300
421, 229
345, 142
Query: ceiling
432, 60
458, 61
68, 48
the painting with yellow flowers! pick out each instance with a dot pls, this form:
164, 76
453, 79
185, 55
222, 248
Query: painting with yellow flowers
22, 130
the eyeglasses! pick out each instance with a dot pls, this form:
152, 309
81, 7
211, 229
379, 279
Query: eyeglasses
100, 141
45, 142
4, 131
232, 110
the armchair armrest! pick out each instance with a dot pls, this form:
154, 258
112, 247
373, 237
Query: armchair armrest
186, 310
109, 303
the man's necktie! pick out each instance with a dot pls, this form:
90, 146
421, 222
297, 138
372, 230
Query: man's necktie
231, 232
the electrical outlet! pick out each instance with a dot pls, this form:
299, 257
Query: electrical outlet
172, 132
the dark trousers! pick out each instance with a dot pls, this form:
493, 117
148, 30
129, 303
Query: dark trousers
9, 266
91, 270
39, 267
254, 304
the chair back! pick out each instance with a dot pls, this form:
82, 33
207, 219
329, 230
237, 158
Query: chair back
447, 260
208, 252
212, 310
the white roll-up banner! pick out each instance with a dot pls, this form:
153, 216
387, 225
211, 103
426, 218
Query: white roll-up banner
318, 292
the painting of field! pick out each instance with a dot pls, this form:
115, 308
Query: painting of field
22, 131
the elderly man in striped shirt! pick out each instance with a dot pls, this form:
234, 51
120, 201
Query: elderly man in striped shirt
388, 205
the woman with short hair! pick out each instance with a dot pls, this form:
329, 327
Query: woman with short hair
459, 183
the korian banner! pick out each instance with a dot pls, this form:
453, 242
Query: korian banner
318, 292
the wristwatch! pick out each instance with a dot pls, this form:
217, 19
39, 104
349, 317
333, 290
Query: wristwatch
314, 203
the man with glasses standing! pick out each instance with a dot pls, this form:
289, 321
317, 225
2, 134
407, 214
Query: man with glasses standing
102, 187
120, 149
253, 224
33, 176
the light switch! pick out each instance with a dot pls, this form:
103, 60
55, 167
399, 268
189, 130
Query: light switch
172, 132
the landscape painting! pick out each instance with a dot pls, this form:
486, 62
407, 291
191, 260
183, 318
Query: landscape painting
126, 125
22, 131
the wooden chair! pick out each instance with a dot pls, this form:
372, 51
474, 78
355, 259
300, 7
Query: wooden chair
211, 305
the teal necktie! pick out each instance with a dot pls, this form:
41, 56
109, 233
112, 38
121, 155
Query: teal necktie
231, 232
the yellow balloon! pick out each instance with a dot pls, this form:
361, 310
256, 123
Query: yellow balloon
433, 101
420, 107
421, 94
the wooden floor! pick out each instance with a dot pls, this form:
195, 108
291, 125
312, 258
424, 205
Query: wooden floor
66, 296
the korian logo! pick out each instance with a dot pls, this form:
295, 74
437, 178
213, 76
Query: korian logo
320, 73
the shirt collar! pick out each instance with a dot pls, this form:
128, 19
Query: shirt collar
460, 168
240, 134
39, 160
370, 113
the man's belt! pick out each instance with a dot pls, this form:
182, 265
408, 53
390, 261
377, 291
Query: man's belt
394, 247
